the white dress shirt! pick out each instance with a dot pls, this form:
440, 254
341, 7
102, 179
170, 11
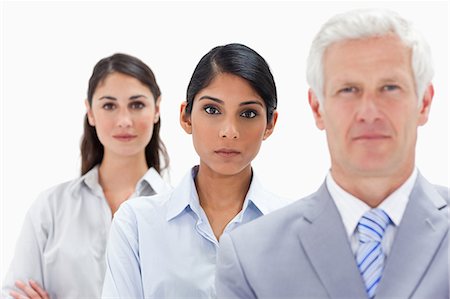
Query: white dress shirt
164, 247
63, 239
352, 209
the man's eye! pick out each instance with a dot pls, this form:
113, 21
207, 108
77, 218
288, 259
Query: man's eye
348, 90
390, 87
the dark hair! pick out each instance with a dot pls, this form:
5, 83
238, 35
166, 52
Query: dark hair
91, 148
239, 60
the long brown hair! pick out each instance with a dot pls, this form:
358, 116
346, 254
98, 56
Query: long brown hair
91, 147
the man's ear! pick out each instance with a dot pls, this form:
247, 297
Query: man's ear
89, 113
425, 105
315, 105
185, 119
271, 125
157, 109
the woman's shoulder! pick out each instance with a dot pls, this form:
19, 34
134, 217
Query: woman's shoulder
59, 192
52, 200
146, 205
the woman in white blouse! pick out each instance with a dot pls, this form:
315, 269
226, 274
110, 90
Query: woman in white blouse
60, 251
165, 246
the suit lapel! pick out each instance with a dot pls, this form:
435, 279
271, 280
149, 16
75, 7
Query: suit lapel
326, 244
419, 236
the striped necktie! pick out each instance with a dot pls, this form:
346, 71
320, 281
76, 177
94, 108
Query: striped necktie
370, 255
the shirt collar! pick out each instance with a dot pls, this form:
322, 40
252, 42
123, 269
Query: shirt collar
152, 179
263, 200
395, 204
90, 178
185, 194
149, 184
352, 209
181, 195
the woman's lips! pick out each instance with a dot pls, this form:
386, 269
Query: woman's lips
227, 153
125, 137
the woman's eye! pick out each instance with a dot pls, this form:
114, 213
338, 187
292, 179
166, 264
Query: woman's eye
249, 114
211, 110
109, 106
137, 105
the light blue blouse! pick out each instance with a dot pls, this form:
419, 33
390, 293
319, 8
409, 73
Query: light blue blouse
164, 247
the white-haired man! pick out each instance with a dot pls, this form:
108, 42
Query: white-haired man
376, 227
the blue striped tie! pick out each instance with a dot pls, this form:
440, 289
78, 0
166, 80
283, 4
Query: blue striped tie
370, 255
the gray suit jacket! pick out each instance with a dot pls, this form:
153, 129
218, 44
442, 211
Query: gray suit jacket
302, 251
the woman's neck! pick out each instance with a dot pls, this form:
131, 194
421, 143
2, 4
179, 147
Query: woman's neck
118, 177
222, 196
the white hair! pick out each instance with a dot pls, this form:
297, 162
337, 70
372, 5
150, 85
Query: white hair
365, 23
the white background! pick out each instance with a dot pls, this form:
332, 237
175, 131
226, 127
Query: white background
49, 50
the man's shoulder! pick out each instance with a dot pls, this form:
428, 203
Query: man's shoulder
438, 195
443, 191
280, 221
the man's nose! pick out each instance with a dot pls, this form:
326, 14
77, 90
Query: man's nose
368, 110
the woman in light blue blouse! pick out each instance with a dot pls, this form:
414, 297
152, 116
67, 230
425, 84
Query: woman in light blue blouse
165, 246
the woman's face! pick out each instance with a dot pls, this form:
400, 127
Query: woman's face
228, 122
123, 112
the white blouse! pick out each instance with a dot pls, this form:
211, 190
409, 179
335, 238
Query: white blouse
63, 239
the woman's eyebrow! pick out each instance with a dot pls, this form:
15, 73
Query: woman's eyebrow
251, 103
222, 102
212, 99
111, 98
107, 98
135, 97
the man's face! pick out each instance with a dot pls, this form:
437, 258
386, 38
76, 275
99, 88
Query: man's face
370, 110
